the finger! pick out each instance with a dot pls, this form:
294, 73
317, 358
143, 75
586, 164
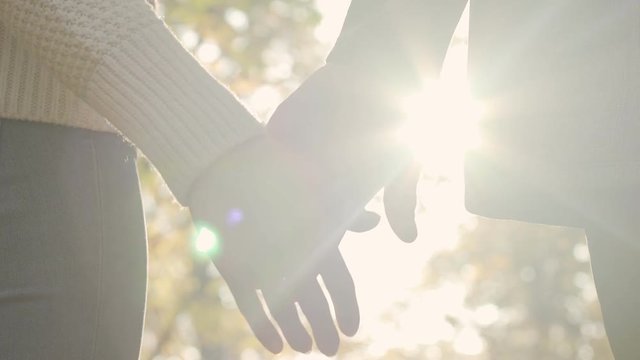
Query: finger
339, 283
251, 308
284, 312
400, 203
315, 307
366, 221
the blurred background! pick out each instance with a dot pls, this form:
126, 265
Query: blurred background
468, 288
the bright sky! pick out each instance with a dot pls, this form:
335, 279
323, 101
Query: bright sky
386, 270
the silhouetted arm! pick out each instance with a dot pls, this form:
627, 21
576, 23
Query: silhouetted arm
397, 42
348, 111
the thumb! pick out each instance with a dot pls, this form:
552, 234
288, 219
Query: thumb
400, 203
365, 221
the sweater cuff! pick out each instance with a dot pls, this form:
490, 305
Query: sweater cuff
159, 97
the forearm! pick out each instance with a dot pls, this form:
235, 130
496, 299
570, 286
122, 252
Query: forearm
345, 134
121, 60
386, 48
397, 43
344, 118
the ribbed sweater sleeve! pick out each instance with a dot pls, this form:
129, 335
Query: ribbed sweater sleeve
121, 60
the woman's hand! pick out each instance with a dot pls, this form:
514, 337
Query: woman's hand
278, 236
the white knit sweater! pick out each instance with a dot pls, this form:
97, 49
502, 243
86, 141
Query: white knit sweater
79, 62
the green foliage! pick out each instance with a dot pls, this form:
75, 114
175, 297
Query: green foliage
539, 276
259, 42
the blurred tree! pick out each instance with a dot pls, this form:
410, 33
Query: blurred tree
529, 294
540, 280
250, 45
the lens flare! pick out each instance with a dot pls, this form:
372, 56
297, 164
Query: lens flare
235, 217
441, 123
206, 242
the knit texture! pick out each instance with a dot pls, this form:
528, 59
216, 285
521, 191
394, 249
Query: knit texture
121, 61
30, 91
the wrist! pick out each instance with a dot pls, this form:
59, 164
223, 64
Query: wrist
224, 167
334, 110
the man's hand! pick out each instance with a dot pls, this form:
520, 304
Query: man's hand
279, 230
347, 125
399, 202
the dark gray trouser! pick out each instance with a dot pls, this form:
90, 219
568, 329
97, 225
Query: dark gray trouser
72, 245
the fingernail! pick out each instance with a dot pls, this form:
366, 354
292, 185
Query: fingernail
302, 344
350, 327
272, 344
329, 348
410, 235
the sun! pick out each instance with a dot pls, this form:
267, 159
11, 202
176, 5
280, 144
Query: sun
441, 123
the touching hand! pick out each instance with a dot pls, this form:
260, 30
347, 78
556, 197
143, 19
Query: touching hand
348, 127
278, 234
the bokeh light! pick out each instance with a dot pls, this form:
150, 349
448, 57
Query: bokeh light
234, 217
206, 242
